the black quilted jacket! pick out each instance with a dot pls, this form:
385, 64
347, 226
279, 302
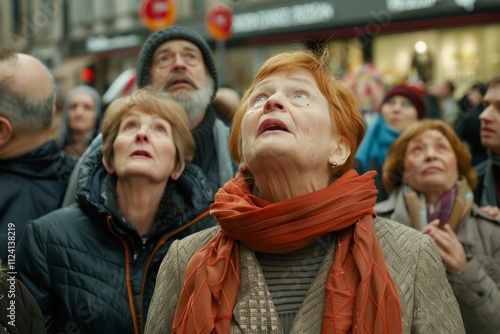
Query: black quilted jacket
31, 186
88, 269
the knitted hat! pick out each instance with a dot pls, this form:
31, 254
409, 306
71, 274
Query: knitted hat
161, 36
416, 97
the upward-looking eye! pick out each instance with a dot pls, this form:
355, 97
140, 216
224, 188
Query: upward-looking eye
301, 95
164, 59
190, 57
261, 98
416, 150
160, 128
129, 126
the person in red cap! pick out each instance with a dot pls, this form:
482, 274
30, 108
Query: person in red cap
402, 106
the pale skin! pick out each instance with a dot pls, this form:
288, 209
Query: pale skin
27, 75
450, 249
288, 140
144, 159
178, 69
430, 167
82, 117
398, 112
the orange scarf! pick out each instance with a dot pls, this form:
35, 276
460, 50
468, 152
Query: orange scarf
361, 296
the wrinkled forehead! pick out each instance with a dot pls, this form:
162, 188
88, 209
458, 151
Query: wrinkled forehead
177, 45
299, 77
493, 93
429, 135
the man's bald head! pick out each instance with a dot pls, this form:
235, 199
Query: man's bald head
27, 92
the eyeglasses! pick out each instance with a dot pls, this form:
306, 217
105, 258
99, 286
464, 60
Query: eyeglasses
167, 59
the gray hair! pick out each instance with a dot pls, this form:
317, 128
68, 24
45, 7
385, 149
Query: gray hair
25, 113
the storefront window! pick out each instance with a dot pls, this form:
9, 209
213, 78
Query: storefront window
463, 55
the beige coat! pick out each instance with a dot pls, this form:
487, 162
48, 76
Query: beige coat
427, 302
477, 284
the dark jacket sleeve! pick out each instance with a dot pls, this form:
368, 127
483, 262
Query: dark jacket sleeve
33, 270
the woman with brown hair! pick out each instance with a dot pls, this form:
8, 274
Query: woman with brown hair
298, 249
429, 175
92, 265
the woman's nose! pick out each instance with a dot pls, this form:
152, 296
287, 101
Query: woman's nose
430, 152
142, 135
273, 103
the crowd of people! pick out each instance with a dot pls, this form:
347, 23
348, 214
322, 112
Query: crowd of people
186, 208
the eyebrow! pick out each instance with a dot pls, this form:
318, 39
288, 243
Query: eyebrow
183, 48
296, 79
136, 114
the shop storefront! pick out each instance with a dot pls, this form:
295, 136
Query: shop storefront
430, 39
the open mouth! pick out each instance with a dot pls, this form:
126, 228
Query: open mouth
272, 125
180, 81
141, 153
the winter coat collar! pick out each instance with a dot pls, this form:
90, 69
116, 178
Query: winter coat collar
45, 162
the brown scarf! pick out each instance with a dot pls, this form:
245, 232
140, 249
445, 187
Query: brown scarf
452, 209
361, 296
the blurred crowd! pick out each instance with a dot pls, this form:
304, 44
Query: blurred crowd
308, 204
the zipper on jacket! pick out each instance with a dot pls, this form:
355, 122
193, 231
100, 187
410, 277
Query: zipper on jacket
128, 280
144, 242
160, 243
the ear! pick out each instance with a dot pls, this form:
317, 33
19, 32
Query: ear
340, 152
109, 169
178, 171
6, 131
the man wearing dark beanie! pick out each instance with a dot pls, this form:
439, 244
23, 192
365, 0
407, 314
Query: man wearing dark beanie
178, 61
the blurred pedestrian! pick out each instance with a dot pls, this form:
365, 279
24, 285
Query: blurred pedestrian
468, 125
33, 172
401, 106
93, 264
449, 106
487, 194
81, 119
429, 174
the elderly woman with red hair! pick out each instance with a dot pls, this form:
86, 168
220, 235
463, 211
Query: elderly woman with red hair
297, 248
429, 175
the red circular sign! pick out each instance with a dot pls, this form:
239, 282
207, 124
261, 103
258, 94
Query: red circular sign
219, 22
157, 14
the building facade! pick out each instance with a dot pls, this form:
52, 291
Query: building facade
430, 40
